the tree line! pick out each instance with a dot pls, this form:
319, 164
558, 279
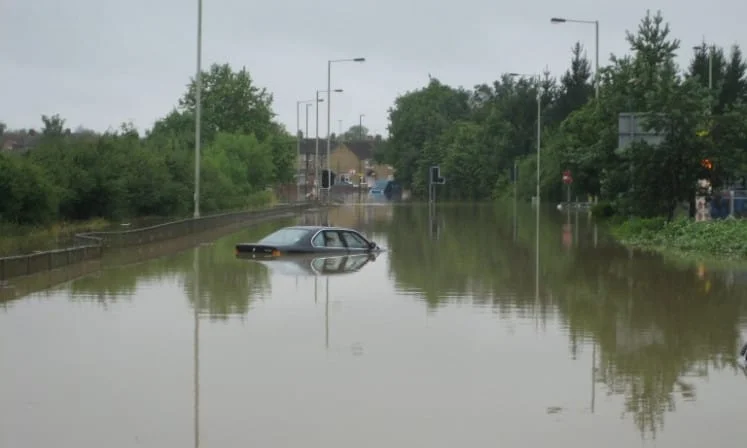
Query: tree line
58, 174
477, 135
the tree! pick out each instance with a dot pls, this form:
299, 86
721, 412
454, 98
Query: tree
416, 120
54, 126
26, 196
231, 103
734, 87
575, 86
119, 174
356, 132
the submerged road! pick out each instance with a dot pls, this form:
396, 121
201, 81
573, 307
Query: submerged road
479, 325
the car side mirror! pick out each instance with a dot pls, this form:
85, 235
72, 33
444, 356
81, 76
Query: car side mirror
372, 245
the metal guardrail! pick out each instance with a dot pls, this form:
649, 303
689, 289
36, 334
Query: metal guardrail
20, 265
93, 244
181, 227
728, 203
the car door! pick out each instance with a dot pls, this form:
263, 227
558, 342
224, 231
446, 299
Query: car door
354, 242
329, 242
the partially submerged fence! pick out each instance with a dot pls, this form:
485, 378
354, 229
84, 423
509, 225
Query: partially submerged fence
93, 244
184, 227
20, 265
728, 203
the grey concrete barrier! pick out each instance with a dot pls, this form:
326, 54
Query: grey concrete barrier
176, 229
21, 265
92, 244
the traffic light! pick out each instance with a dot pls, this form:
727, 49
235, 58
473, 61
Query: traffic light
707, 164
326, 177
436, 177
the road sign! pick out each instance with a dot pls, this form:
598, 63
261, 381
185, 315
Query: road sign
436, 177
567, 178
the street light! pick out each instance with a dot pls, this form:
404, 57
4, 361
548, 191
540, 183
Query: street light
596, 45
539, 125
198, 108
316, 153
298, 138
306, 167
709, 50
306, 132
329, 109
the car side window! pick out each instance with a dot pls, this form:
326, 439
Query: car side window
354, 241
318, 240
332, 239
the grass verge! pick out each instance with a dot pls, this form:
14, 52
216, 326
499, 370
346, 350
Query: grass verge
718, 240
18, 240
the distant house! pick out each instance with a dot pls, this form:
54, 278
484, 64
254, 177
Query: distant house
18, 141
306, 160
353, 161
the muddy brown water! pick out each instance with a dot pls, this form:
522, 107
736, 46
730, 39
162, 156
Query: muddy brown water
471, 329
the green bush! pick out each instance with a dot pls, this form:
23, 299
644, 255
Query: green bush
722, 238
603, 209
82, 176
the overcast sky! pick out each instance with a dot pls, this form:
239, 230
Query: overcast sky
99, 63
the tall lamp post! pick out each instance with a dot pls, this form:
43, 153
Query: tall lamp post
298, 138
306, 167
316, 149
360, 126
539, 125
329, 110
709, 51
198, 108
596, 45
306, 132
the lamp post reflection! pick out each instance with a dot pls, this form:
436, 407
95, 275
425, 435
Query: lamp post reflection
326, 316
515, 176
593, 372
433, 223
595, 235
537, 259
196, 305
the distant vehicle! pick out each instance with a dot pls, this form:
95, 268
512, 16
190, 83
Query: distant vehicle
388, 189
299, 240
314, 265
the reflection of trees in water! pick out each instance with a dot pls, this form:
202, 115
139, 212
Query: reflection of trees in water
655, 324
227, 285
473, 256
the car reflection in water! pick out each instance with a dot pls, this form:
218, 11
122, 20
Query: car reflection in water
312, 266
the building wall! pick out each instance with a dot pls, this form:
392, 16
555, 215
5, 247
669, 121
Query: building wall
342, 160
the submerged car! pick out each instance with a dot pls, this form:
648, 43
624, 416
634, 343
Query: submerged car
299, 240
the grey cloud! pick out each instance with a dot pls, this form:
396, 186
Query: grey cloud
101, 62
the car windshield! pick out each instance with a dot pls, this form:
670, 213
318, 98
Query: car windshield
284, 237
381, 184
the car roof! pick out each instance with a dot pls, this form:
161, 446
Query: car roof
317, 228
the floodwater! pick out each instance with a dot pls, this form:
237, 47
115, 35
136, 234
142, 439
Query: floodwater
472, 329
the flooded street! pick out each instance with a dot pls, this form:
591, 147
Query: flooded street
456, 335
